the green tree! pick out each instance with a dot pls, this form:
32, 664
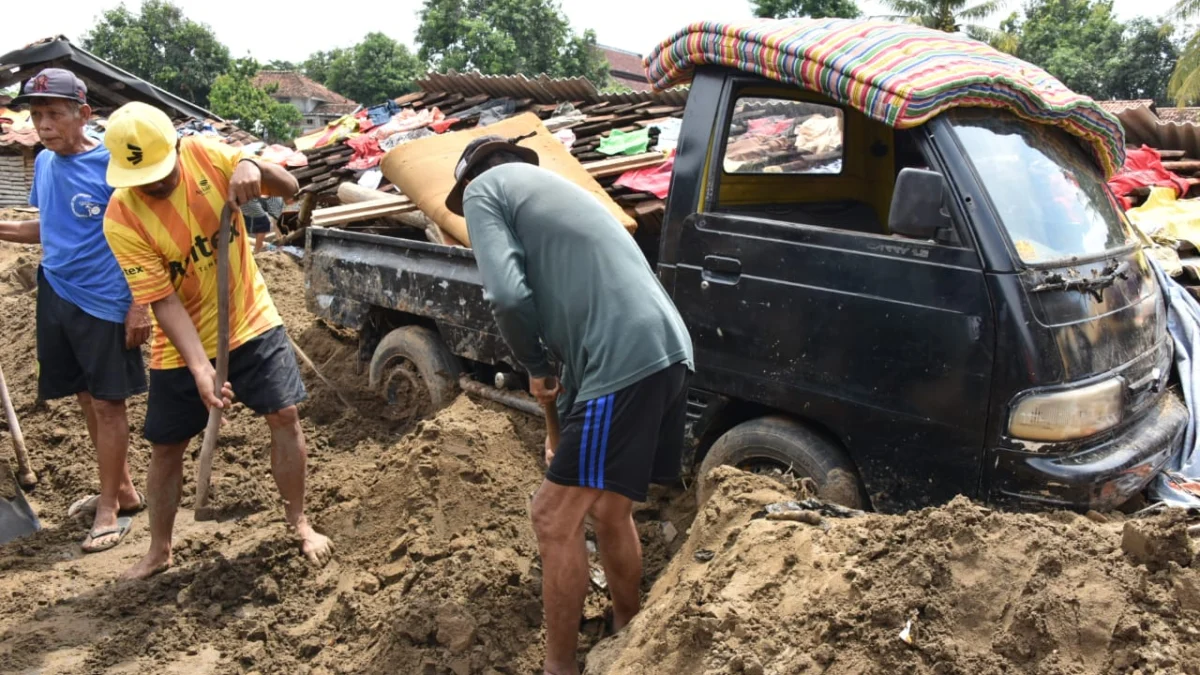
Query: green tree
277, 64
503, 37
950, 16
234, 97
374, 70
316, 66
1007, 39
1184, 85
1078, 41
1148, 56
790, 9
162, 46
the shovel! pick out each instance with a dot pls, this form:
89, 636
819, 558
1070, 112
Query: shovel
25, 474
17, 518
213, 430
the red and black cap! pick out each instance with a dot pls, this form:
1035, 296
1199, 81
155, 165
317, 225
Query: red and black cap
53, 83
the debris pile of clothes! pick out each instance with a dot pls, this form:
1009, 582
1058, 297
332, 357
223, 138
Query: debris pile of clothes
626, 140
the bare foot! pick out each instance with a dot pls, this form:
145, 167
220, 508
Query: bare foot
314, 545
152, 564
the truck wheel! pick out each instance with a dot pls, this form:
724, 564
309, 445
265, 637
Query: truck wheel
781, 444
411, 366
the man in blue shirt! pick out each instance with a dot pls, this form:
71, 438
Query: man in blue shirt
89, 334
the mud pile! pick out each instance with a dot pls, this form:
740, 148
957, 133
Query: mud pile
979, 592
435, 570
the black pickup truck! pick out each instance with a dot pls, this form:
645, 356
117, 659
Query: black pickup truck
914, 314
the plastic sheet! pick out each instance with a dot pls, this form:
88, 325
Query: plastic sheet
1168, 220
1143, 167
656, 179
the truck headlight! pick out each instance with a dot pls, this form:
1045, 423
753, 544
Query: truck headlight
1069, 414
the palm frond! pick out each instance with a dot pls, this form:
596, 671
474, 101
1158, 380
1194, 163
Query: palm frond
1185, 9
908, 8
985, 9
1184, 86
998, 39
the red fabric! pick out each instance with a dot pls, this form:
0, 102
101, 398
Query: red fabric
769, 126
655, 179
364, 121
367, 153
1143, 167
441, 126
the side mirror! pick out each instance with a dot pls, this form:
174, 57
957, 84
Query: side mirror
917, 207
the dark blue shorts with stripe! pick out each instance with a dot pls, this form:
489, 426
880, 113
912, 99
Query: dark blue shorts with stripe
626, 440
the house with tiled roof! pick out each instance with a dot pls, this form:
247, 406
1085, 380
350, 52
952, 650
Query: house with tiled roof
317, 104
626, 68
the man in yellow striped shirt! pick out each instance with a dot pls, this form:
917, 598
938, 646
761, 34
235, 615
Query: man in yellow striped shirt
162, 223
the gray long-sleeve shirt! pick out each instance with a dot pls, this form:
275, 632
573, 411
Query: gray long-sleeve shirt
562, 273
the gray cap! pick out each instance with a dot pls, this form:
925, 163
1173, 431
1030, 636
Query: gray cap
54, 83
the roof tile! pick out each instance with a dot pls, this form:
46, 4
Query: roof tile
294, 85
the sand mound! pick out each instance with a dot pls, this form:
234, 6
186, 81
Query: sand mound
436, 564
985, 593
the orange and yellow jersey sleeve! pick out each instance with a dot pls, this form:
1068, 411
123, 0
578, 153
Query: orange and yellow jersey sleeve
169, 246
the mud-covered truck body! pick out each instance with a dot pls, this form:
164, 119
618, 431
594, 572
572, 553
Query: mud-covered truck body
902, 315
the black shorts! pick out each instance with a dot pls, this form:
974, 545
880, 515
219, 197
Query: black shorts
77, 352
264, 376
258, 225
627, 440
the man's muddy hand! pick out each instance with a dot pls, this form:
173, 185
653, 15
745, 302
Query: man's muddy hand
137, 325
246, 183
545, 389
206, 385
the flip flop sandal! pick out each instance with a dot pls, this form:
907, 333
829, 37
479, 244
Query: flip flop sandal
87, 505
123, 526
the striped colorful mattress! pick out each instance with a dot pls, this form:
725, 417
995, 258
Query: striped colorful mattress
899, 74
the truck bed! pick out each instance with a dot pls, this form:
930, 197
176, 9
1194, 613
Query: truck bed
367, 281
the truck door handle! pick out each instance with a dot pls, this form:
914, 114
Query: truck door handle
722, 270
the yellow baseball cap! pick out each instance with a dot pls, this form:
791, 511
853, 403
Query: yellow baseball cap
141, 142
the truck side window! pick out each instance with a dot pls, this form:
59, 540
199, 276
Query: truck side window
798, 161
776, 136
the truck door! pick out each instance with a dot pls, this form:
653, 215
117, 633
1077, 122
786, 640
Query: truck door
798, 298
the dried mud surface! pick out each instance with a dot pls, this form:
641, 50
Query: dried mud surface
985, 593
436, 567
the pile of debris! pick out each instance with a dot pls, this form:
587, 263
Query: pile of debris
625, 141
1160, 182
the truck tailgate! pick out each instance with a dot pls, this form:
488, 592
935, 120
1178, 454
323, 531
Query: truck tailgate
348, 275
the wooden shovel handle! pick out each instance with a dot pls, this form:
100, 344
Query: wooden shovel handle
25, 475
553, 431
212, 431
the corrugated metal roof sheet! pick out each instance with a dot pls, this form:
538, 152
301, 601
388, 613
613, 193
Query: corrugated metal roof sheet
1179, 114
542, 89
1116, 107
1143, 127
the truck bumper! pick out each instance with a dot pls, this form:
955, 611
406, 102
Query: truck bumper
1101, 476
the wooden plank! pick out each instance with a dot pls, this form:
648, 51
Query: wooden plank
324, 219
408, 99
618, 166
345, 209
1187, 165
322, 186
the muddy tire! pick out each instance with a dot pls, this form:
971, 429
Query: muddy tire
412, 369
781, 443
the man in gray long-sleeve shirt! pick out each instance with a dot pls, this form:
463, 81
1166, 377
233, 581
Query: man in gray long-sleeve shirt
568, 284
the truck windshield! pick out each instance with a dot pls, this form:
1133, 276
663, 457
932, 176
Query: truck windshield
1047, 189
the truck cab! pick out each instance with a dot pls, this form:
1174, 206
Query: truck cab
898, 315
960, 307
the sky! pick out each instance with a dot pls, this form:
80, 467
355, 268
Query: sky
262, 30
